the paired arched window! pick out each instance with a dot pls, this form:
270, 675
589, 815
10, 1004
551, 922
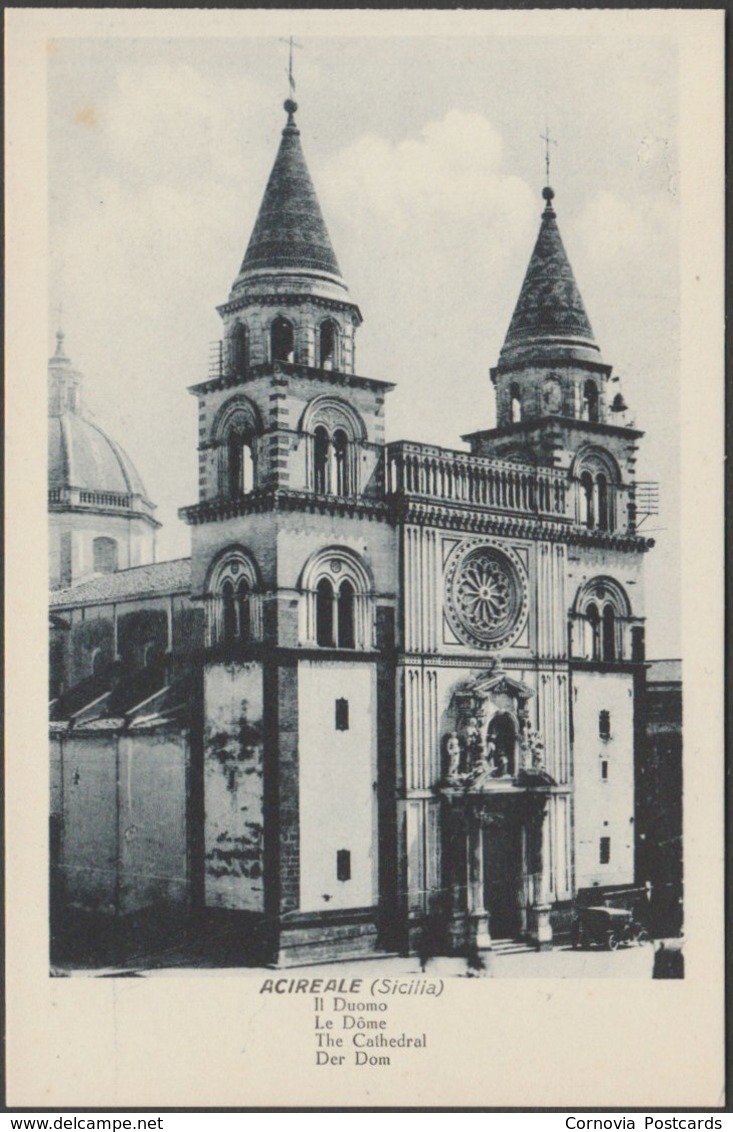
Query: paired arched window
605, 610
233, 600
235, 433
515, 402
597, 477
590, 401
239, 349
282, 340
105, 555
333, 432
337, 603
328, 344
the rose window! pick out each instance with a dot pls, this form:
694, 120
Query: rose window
484, 596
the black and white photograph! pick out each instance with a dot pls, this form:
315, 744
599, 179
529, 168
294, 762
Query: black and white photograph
364, 511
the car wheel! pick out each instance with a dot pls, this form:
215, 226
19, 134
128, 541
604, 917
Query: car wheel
613, 941
642, 937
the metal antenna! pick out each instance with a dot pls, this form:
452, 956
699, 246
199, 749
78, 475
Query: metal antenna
291, 44
548, 142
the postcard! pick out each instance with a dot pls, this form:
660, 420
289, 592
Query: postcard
365, 735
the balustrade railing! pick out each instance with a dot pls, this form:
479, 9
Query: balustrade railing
77, 496
440, 473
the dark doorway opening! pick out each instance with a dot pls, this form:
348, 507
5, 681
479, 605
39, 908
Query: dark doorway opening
502, 873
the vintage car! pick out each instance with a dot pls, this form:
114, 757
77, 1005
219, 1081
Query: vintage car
606, 927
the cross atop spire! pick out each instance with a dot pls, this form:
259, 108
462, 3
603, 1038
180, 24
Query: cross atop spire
291, 77
548, 142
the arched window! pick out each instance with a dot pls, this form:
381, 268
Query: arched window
241, 464
321, 445
346, 639
594, 621
598, 481
609, 633
239, 349
234, 434
337, 604
328, 343
97, 661
605, 608
590, 401
229, 613
587, 516
105, 555
282, 340
603, 515
324, 613
515, 396
341, 465
234, 600
333, 430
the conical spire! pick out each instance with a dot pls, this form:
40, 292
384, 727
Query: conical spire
290, 232
550, 316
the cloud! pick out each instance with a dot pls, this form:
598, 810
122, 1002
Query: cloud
611, 227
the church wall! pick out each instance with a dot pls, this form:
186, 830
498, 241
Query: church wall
300, 536
134, 631
153, 772
121, 801
256, 533
338, 800
71, 538
233, 790
604, 807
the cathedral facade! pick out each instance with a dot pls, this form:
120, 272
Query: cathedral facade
397, 687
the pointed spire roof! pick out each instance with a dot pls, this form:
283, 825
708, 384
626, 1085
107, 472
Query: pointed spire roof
290, 232
550, 316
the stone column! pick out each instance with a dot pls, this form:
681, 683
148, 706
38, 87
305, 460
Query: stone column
478, 917
541, 928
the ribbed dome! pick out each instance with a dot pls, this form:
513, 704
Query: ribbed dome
81, 455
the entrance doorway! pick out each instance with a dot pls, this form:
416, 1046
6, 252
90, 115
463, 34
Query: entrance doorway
502, 873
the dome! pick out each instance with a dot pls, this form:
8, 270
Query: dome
86, 468
81, 455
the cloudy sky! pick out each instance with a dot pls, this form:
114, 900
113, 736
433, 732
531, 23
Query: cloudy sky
427, 157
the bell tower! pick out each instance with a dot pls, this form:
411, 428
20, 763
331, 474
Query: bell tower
293, 560
557, 401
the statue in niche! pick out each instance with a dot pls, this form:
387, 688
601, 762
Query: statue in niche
453, 751
473, 741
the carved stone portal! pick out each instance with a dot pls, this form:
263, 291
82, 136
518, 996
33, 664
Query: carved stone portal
494, 778
493, 737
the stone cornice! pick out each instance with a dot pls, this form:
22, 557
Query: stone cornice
290, 370
293, 298
517, 428
285, 500
483, 521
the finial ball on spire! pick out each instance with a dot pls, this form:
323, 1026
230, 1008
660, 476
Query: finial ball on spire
290, 106
548, 193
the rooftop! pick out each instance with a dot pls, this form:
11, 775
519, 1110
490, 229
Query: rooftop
137, 582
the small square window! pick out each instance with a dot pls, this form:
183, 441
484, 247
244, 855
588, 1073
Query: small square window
604, 769
604, 724
343, 864
342, 715
605, 850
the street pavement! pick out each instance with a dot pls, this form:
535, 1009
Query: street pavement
513, 962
